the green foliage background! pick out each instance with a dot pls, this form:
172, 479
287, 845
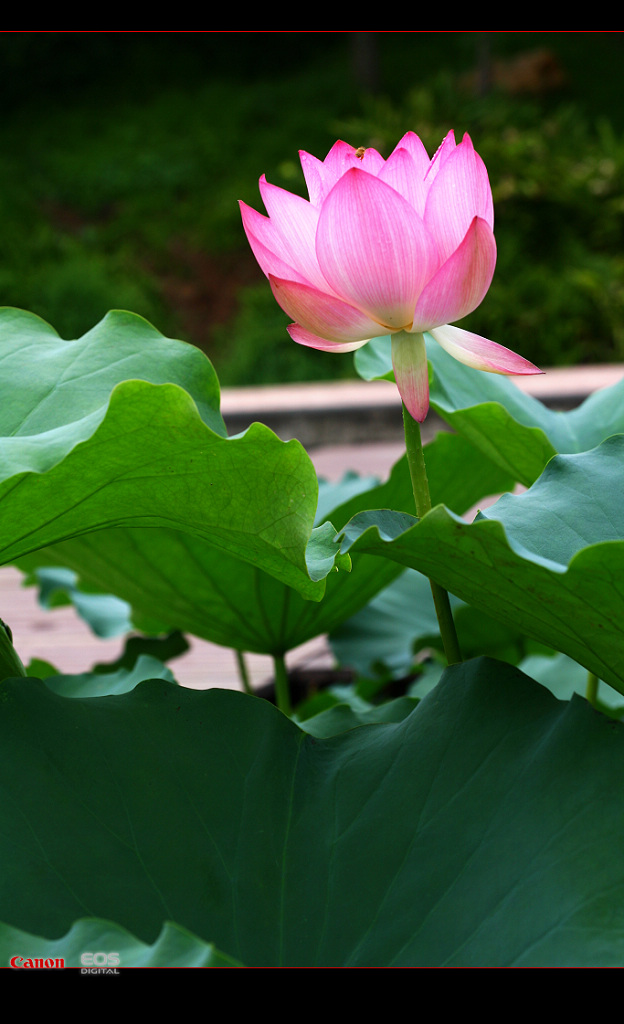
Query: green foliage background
125, 155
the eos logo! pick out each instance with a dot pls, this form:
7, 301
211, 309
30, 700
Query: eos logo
99, 959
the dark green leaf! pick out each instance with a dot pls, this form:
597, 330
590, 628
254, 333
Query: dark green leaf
481, 830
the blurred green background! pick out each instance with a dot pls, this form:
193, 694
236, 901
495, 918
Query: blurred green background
124, 156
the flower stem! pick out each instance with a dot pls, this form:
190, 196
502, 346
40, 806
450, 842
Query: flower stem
422, 498
282, 689
242, 671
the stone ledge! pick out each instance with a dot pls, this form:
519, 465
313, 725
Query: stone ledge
359, 412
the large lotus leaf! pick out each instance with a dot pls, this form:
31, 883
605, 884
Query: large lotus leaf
153, 462
481, 830
511, 427
122, 427
173, 580
549, 562
49, 384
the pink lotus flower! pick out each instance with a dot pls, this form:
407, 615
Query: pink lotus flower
398, 246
